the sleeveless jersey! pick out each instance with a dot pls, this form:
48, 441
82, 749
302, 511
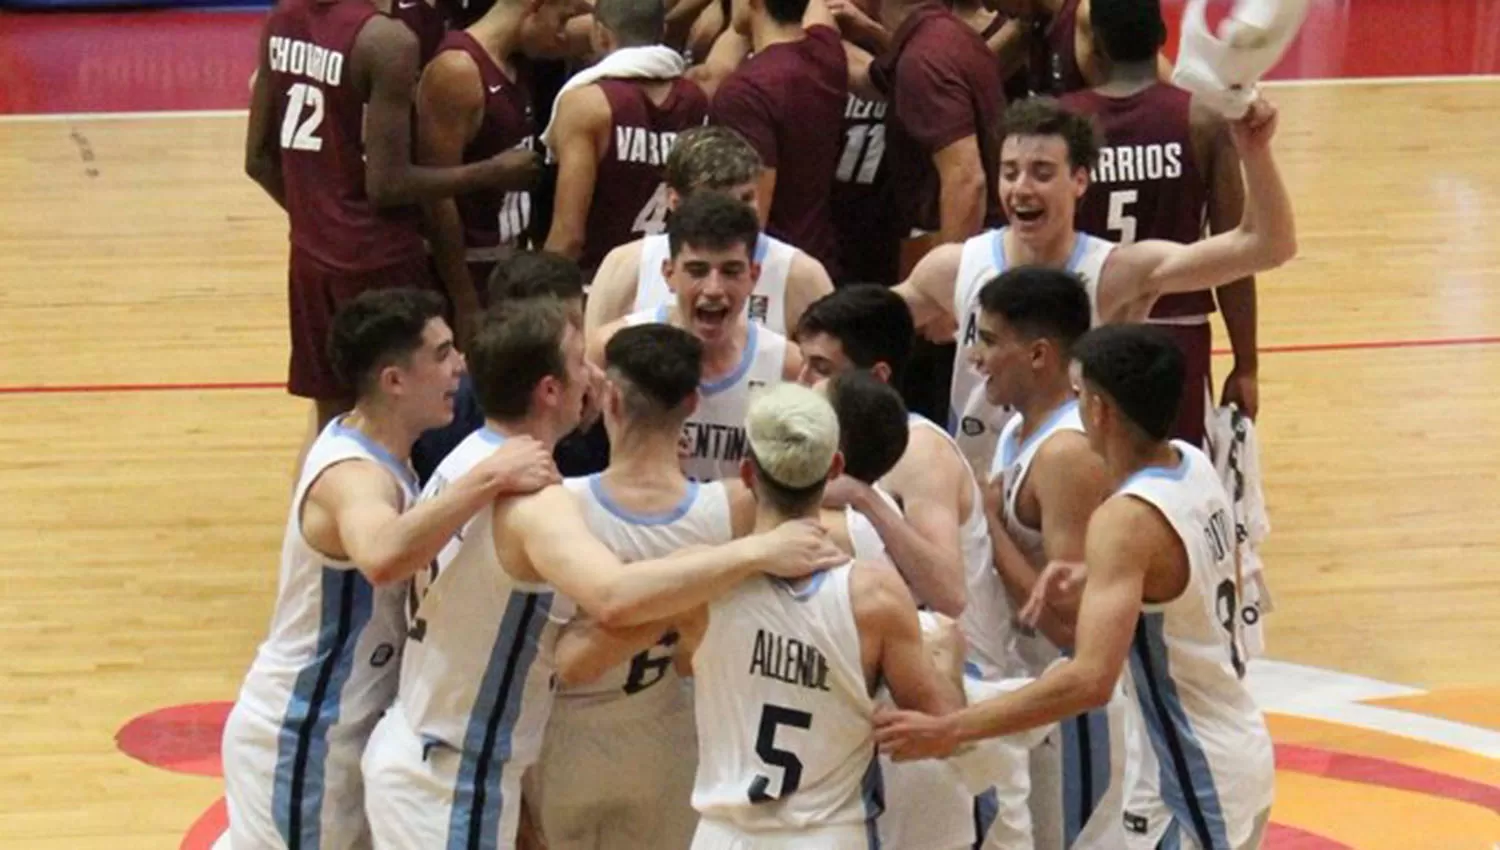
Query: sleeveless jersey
765, 306
862, 534
427, 20
328, 668
320, 111
477, 672
1187, 663
784, 712
867, 225
713, 438
1053, 57
702, 518
974, 422
630, 195
494, 220
1148, 183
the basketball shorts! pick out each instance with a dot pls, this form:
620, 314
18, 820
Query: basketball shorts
618, 775
315, 292
277, 801
717, 835
420, 795
1078, 780
1196, 343
927, 807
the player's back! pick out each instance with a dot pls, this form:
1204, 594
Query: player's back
630, 196
319, 107
784, 711
1149, 183
1188, 661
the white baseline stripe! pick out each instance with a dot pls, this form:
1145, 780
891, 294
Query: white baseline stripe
1445, 79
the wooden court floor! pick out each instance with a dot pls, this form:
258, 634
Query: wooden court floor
147, 450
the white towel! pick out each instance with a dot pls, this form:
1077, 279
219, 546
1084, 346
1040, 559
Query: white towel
1224, 71
1236, 454
653, 62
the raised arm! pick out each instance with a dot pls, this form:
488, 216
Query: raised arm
262, 155
929, 289
612, 292
581, 128
891, 637
1237, 301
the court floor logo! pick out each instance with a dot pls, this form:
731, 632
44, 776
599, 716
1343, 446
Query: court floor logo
1361, 764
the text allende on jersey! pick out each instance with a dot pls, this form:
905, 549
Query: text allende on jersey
788, 660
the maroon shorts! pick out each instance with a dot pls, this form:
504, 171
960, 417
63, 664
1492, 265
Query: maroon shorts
1196, 344
314, 293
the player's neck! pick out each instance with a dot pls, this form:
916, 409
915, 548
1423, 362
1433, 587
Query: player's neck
764, 32
721, 356
498, 32
768, 518
1037, 410
1128, 78
532, 426
1129, 456
1053, 253
645, 458
382, 428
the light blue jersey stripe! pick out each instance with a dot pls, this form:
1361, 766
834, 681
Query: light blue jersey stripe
1187, 783
1086, 769
347, 601
872, 793
477, 800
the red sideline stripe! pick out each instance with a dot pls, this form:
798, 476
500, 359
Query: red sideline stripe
142, 388
1385, 773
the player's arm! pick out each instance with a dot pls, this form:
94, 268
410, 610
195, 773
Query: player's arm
593, 352
806, 281
363, 503
961, 187
681, 15
613, 290
1017, 575
387, 52
929, 289
936, 103
747, 110
1009, 46
450, 106
1226, 205
262, 155
1070, 482
587, 650
858, 27
924, 544
558, 545
1123, 539
886, 617
1265, 237
728, 51
583, 118
861, 85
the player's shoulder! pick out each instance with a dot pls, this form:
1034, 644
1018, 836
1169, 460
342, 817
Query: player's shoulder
539, 509
383, 35
588, 101
929, 455
877, 592
350, 479
1065, 445
619, 268
806, 270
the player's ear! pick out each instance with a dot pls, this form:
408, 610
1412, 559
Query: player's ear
666, 272
674, 199
691, 402
1080, 181
836, 468
882, 370
747, 474
754, 270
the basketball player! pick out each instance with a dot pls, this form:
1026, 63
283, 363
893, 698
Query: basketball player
1167, 166
712, 270
1045, 484
783, 671
327, 670
788, 99
444, 765
329, 139
474, 102
1161, 570
1045, 162
612, 137
719, 160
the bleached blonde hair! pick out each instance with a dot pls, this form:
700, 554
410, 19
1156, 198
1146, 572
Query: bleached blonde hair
793, 434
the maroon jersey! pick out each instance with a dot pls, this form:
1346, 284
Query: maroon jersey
1148, 183
630, 199
788, 101
940, 80
494, 219
1053, 60
319, 112
868, 226
426, 19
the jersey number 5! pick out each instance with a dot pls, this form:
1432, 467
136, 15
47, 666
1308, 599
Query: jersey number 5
771, 717
1119, 222
297, 134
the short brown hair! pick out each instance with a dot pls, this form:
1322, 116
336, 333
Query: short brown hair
711, 158
518, 344
1045, 116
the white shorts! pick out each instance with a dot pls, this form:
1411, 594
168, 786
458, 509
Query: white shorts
618, 775
1078, 781
420, 796
278, 783
717, 835
927, 807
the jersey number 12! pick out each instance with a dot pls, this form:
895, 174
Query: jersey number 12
773, 717
298, 134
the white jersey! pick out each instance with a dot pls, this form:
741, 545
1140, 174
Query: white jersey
972, 419
702, 518
477, 673
785, 741
713, 438
865, 539
765, 306
324, 674
986, 619
1187, 663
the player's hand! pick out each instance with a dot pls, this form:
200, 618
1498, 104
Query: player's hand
1242, 388
847, 12
521, 465
515, 170
1254, 131
1060, 581
912, 735
593, 399
796, 549
844, 491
